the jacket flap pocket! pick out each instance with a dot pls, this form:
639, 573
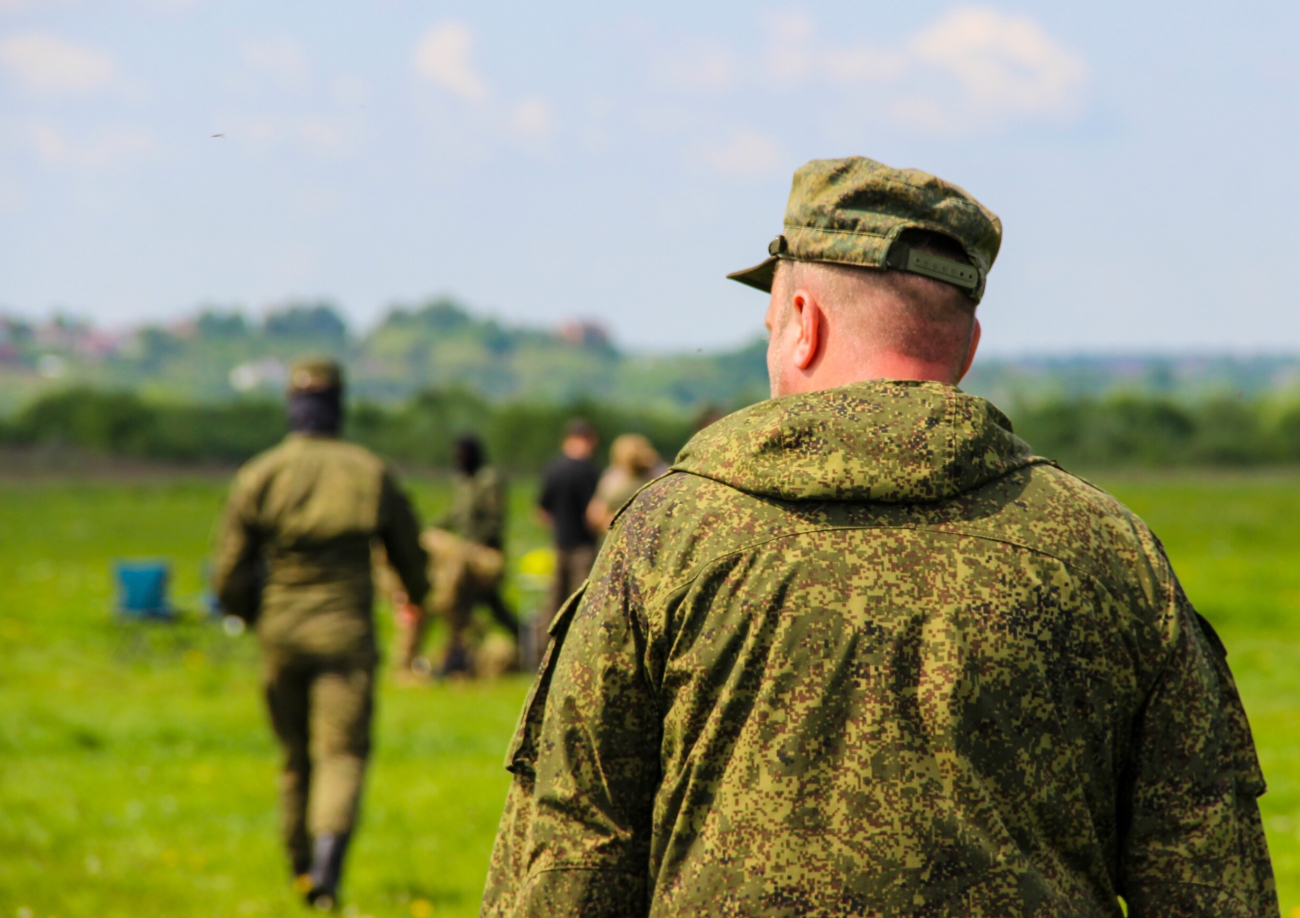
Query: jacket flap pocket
522, 752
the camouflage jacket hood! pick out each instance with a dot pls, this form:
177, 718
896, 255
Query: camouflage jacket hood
884, 441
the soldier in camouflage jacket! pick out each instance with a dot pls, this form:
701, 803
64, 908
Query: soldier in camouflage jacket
860, 652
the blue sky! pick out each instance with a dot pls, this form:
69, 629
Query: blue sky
614, 161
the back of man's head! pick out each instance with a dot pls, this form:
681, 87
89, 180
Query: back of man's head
882, 318
580, 439
469, 454
315, 397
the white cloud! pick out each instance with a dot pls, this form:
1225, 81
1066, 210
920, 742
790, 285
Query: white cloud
1005, 64
109, 148
975, 66
47, 63
697, 67
443, 58
281, 58
745, 155
531, 118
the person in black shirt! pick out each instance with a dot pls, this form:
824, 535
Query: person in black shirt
567, 488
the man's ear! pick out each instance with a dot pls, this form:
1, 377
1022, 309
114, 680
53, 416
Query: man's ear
812, 324
970, 355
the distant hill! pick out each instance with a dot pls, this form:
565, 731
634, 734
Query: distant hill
1032, 380
221, 354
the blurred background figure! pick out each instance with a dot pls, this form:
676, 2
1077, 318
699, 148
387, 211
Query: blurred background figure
294, 557
466, 553
633, 462
568, 486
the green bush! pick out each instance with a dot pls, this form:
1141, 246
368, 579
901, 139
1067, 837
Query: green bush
522, 436
123, 424
1129, 430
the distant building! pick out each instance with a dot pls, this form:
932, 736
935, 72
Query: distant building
101, 344
585, 333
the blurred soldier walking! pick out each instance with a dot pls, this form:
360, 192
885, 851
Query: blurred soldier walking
294, 557
633, 461
466, 551
568, 485
863, 653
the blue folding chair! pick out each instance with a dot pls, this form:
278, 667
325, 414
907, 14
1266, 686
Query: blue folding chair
142, 589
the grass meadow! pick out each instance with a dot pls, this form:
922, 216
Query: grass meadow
137, 774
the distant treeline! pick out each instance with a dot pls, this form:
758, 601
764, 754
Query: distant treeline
523, 435
520, 436
1137, 430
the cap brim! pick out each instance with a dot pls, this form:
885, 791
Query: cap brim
759, 277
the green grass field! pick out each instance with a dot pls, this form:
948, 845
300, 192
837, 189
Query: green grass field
137, 775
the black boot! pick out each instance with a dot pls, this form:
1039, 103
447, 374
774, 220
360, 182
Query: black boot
326, 868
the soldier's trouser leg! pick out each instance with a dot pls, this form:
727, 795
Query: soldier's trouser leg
457, 619
287, 687
342, 702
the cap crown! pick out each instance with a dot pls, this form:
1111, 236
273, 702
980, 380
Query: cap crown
315, 374
852, 211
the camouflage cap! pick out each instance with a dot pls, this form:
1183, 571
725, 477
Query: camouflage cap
852, 212
315, 374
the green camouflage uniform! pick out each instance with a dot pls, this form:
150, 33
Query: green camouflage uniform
308, 511
478, 508
861, 653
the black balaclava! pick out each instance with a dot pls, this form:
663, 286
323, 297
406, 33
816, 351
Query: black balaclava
469, 454
318, 411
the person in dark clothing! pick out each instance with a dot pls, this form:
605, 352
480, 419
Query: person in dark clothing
567, 488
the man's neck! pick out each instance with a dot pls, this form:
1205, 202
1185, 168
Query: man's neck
883, 366
899, 366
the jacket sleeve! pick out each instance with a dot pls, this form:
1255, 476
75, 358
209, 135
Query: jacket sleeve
575, 836
236, 576
399, 530
1193, 843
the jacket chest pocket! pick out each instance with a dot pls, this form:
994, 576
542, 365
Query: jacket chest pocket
521, 756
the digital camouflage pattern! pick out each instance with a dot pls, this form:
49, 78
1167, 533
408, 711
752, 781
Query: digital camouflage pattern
478, 508
851, 212
861, 653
